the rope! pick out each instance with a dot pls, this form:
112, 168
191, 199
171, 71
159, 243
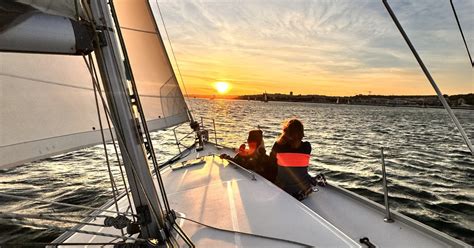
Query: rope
119, 134
107, 115
248, 234
61, 204
117, 123
142, 117
112, 181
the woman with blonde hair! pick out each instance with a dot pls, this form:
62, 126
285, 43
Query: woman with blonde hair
291, 155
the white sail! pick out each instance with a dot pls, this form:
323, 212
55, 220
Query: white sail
48, 107
48, 104
161, 97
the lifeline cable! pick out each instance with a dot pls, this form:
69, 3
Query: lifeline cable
60, 203
64, 229
44, 217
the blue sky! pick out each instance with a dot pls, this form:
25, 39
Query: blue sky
331, 47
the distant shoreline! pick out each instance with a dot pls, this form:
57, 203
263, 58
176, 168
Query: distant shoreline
461, 101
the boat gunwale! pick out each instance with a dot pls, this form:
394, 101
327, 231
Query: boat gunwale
397, 216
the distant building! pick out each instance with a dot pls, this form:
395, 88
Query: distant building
291, 93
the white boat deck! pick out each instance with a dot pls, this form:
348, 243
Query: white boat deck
358, 218
224, 196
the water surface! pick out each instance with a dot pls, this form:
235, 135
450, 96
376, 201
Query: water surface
429, 167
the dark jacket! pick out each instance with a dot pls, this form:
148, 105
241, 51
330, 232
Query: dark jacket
292, 164
258, 162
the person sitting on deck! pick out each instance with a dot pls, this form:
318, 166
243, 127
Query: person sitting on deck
291, 155
254, 158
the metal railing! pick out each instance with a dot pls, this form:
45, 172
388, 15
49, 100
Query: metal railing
212, 129
201, 131
388, 216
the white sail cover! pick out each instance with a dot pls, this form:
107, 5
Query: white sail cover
47, 103
161, 97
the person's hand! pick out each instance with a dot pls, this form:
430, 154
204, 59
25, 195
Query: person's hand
319, 180
242, 152
224, 156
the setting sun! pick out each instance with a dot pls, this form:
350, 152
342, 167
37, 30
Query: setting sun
222, 87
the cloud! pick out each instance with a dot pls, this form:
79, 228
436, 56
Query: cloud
319, 43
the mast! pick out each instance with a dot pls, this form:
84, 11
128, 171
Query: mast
124, 117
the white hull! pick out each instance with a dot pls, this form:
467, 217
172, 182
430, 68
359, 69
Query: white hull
224, 196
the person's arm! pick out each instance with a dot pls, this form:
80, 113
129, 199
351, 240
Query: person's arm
271, 167
307, 150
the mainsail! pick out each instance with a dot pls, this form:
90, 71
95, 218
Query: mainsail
48, 104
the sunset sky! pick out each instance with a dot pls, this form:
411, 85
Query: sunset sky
327, 47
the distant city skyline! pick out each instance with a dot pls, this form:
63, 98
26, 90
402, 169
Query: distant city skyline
334, 48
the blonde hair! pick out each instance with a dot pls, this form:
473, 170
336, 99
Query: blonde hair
292, 130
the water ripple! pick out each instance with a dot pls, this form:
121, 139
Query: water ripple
429, 169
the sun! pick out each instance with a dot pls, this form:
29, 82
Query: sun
222, 87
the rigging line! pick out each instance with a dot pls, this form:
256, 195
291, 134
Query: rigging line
127, 153
139, 183
119, 134
41, 217
462, 34
142, 115
64, 229
112, 100
60, 203
245, 233
172, 50
124, 89
430, 78
183, 235
107, 117
96, 87
112, 181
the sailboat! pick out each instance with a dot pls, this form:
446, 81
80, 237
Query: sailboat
123, 88
265, 97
